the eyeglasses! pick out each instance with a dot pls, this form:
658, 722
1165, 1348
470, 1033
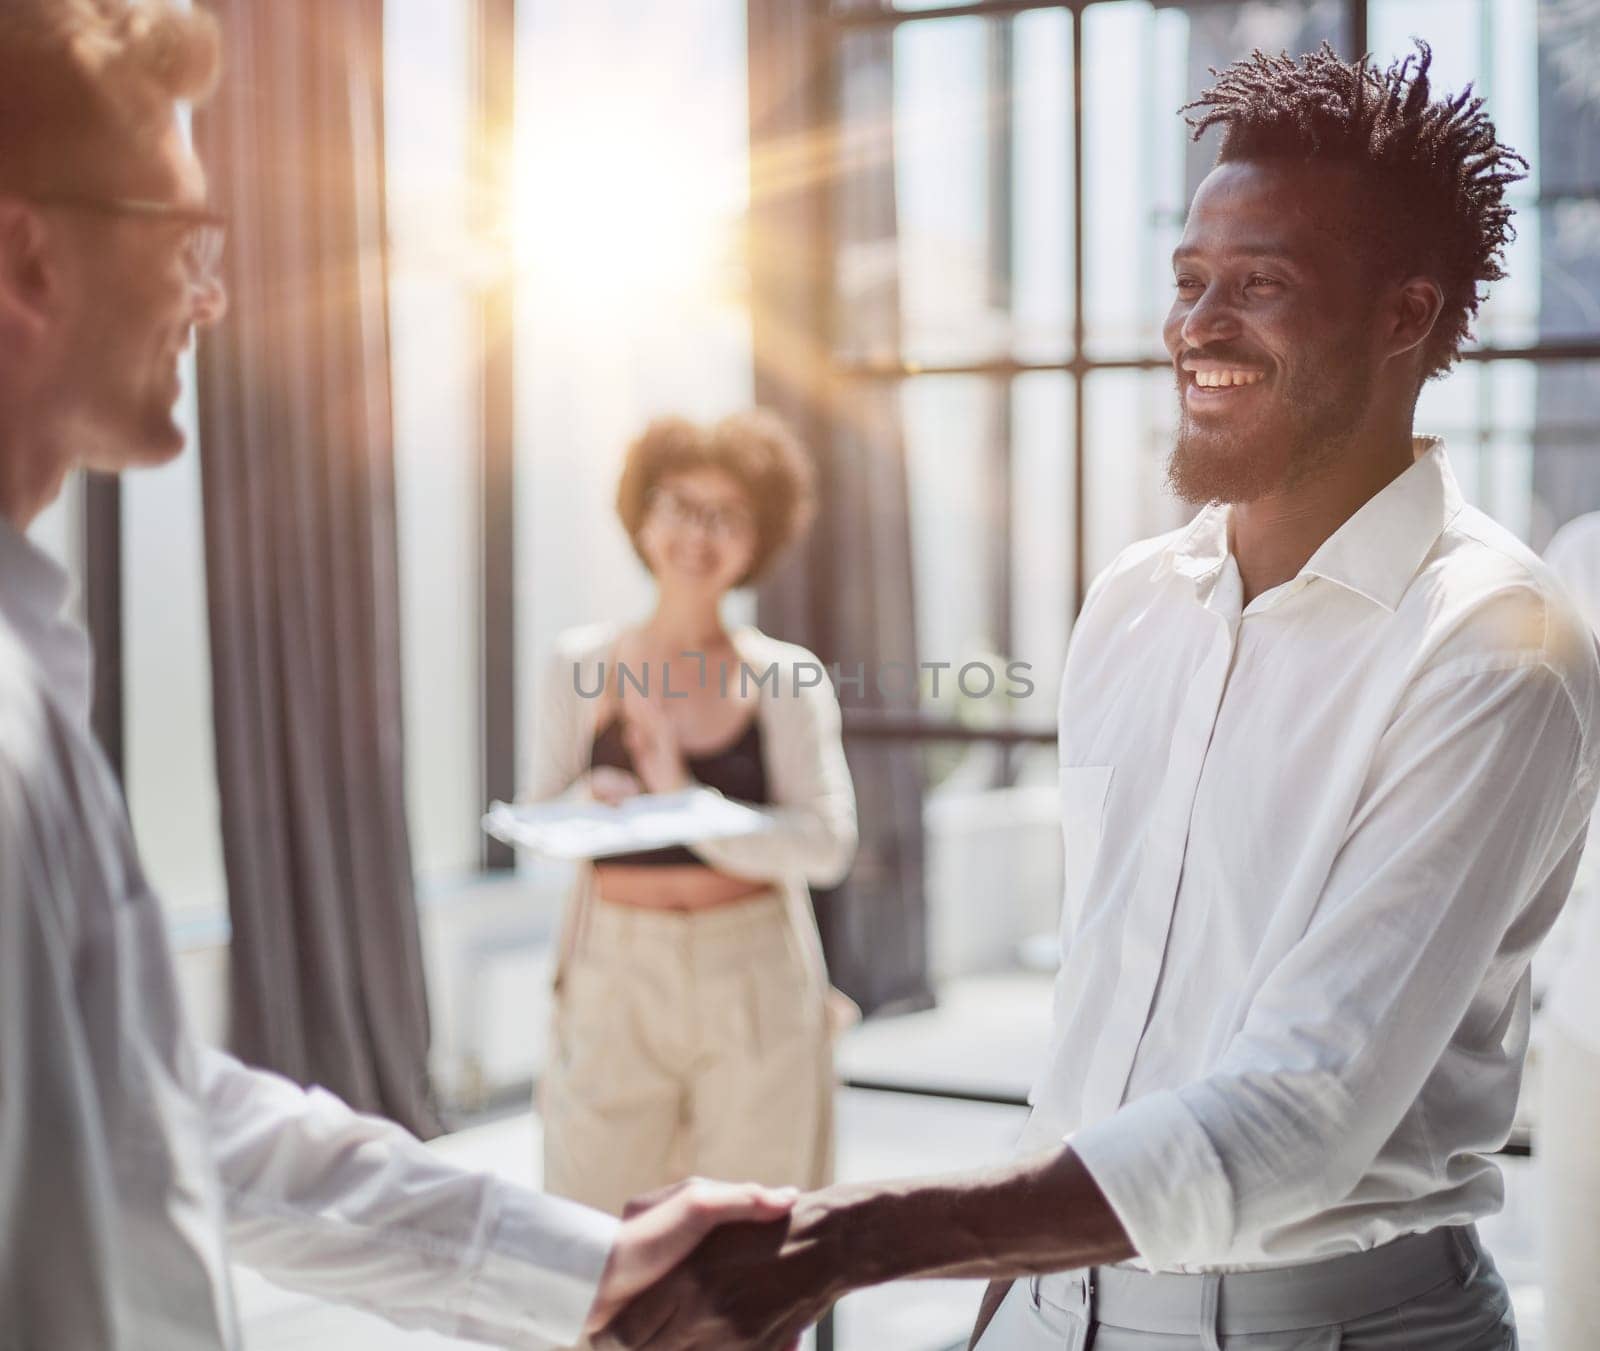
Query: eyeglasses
204, 232
720, 522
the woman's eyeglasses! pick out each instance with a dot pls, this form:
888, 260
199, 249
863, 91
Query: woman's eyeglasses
719, 522
204, 232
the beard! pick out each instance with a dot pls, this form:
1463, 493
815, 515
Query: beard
1287, 443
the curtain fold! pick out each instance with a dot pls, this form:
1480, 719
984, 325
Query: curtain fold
822, 175
298, 488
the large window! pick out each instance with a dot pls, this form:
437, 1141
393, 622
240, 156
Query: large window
566, 264
631, 177
994, 216
1041, 175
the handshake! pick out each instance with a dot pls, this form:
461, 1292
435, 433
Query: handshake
715, 1264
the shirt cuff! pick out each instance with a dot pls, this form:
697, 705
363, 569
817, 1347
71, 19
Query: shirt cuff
1161, 1174
541, 1269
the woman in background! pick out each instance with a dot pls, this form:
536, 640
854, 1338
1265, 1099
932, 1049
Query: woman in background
690, 1032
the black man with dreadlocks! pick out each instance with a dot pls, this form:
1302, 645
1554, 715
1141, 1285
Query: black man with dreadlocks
1328, 754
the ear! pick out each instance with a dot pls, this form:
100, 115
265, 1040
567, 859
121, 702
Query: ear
28, 285
1412, 311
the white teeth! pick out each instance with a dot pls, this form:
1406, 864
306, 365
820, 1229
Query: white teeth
1226, 379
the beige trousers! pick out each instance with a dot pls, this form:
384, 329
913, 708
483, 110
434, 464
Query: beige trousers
686, 1044
1568, 1156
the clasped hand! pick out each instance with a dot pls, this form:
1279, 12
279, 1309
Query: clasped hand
708, 1266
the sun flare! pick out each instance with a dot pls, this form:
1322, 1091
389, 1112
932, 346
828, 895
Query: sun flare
627, 206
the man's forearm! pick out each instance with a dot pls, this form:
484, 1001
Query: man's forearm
751, 1285
1040, 1215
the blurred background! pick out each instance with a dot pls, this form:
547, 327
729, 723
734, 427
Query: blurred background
932, 235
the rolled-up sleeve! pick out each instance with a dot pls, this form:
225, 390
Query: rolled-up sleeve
352, 1208
1476, 801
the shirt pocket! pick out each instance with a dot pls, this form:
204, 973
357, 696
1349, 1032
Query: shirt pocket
1084, 789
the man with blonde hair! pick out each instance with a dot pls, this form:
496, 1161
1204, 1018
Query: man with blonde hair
135, 1163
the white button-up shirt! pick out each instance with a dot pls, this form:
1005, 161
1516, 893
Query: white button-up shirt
1312, 843
135, 1163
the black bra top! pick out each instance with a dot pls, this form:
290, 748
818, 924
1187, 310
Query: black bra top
736, 771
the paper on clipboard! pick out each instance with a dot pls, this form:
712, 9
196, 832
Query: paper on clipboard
583, 830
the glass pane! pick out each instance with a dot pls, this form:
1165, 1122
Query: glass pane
1566, 445
1042, 515
991, 543
952, 204
1041, 178
1141, 63
955, 428
632, 193
1130, 418
1522, 57
1523, 439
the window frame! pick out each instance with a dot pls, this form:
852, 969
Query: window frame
837, 22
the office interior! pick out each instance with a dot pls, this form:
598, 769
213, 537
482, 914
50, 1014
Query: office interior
934, 236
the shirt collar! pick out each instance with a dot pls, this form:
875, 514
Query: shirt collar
1375, 553
34, 591
1201, 547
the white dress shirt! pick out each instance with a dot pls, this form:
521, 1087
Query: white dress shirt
135, 1164
1312, 843
1574, 997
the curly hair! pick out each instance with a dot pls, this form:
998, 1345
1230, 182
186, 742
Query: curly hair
756, 448
82, 81
1434, 171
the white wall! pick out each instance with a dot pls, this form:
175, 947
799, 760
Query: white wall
170, 772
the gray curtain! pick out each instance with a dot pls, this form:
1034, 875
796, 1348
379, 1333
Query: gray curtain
848, 593
327, 983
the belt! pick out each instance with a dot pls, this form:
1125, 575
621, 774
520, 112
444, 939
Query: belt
1316, 1294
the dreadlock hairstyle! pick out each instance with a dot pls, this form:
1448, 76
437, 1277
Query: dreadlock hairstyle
1434, 173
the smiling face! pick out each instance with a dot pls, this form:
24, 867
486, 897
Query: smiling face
137, 306
699, 531
1271, 330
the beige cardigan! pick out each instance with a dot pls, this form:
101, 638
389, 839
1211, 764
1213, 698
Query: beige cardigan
813, 807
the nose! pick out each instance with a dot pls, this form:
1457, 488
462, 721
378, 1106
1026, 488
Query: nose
701, 537
1211, 318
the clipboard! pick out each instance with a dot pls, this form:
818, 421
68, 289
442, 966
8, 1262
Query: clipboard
592, 830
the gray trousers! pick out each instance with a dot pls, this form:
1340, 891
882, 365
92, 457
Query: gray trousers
1427, 1292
